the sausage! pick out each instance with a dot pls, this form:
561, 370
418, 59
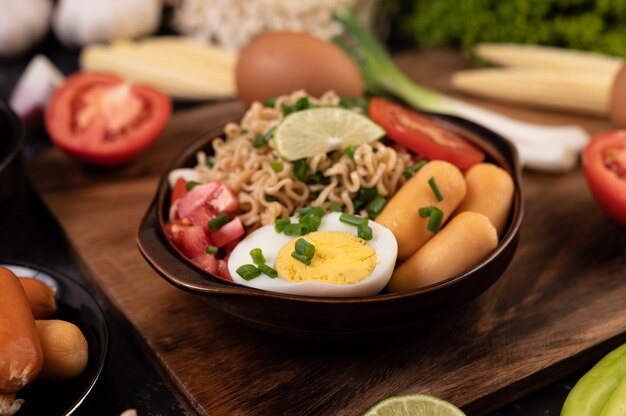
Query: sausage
65, 349
463, 242
401, 213
40, 297
20, 349
489, 192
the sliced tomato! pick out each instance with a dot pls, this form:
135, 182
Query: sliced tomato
604, 163
231, 231
423, 135
222, 269
103, 120
205, 202
206, 262
179, 191
190, 239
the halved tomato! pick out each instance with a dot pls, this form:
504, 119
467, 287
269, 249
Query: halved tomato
422, 135
604, 163
104, 120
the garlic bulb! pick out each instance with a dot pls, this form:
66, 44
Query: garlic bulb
22, 24
80, 22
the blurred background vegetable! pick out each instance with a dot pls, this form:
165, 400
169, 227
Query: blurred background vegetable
594, 25
180, 67
79, 22
23, 23
548, 77
546, 148
232, 23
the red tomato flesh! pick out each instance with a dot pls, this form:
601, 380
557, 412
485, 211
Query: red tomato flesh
179, 191
191, 240
604, 163
103, 120
231, 231
205, 202
422, 135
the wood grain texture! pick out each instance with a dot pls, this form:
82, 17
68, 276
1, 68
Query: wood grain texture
558, 308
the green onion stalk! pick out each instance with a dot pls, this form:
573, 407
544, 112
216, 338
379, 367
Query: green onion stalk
540, 147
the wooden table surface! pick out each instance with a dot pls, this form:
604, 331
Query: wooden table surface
557, 308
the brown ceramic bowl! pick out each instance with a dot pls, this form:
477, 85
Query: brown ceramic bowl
307, 317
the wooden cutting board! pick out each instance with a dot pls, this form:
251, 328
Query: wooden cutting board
557, 309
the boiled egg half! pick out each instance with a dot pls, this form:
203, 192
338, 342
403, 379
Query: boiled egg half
344, 265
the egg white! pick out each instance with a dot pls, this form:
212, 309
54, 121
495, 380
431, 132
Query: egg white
270, 242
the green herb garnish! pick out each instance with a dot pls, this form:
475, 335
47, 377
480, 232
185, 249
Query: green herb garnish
352, 219
349, 151
217, 222
189, 185
435, 188
269, 271
276, 166
257, 256
300, 169
211, 249
364, 231
248, 271
280, 224
375, 206
410, 171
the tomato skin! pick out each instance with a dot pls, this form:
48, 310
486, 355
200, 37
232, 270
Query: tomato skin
606, 184
179, 191
423, 135
231, 231
90, 145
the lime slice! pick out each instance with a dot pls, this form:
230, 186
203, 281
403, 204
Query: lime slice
414, 405
320, 130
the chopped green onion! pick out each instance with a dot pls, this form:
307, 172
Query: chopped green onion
364, 231
211, 249
301, 258
317, 179
276, 166
302, 104
296, 229
355, 102
189, 185
257, 256
335, 208
434, 215
349, 151
258, 141
210, 162
300, 169
287, 109
425, 211
414, 168
364, 196
270, 133
270, 102
435, 220
435, 188
243, 131
352, 219
270, 198
217, 222
269, 271
305, 248
375, 206
248, 271
280, 224
317, 211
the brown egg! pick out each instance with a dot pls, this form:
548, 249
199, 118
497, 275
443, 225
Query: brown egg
282, 62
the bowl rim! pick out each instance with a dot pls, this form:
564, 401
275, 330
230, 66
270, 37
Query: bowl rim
16, 136
215, 285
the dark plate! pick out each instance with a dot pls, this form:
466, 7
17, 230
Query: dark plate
76, 305
11, 142
331, 319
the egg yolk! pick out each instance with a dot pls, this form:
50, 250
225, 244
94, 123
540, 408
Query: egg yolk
340, 258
